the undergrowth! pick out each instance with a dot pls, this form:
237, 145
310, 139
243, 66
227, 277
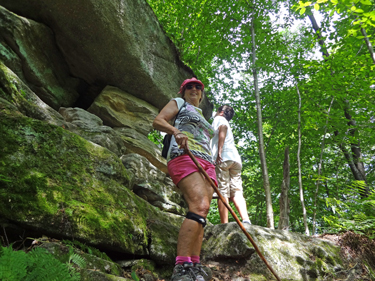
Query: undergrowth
36, 265
352, 213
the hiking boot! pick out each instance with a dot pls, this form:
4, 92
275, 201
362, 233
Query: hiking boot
203, 273
183, 272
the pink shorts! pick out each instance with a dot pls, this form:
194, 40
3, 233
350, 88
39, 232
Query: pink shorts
183, 166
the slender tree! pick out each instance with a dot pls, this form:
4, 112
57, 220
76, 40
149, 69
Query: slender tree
320, 170
301, 196
262, 153
284, 198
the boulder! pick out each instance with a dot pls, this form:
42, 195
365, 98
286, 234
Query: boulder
81, 118
163, 246
29, 49
140, 144
106, 41
59, 182
153, 185
94, 262
16, 93
293, 256
90, 127
119, 109
226, 241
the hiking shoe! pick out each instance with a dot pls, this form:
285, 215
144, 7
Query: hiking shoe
183, 272
203, 273
248, 222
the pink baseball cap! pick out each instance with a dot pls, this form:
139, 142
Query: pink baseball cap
191, 80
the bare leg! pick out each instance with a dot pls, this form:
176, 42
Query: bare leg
198, 194
237, 192
223, 177
223, 211
240, 204
196, 251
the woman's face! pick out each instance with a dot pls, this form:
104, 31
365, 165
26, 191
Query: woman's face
193, 93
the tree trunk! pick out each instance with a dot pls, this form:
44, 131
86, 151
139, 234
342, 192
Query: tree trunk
262, 154
317, 31
299, 165
284, 198
353, 159
368, 44
320, 169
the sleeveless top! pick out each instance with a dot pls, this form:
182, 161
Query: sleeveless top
191, 122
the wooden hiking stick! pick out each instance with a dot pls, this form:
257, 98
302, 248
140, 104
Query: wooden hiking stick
231, 211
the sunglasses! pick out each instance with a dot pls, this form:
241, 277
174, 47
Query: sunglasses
197, 86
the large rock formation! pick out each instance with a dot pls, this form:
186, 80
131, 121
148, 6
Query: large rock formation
119, 109
94, 177
29, 49
110, 42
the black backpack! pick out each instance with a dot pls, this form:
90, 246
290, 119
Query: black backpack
167, 138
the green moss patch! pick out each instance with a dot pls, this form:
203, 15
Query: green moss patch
55, 180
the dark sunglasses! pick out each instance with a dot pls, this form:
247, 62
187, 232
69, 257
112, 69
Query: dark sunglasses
197, 86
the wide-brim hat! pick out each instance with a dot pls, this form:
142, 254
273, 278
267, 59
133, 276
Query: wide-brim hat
191, 80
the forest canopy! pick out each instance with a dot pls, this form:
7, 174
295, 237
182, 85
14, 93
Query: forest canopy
300, 78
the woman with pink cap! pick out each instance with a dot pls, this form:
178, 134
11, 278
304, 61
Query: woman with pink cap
192, 131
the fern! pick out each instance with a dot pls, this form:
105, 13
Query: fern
37, 265
42, 268
353, 213
77, 260
87, 249
13, 265
4, 178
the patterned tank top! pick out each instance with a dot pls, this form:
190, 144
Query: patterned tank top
191, 122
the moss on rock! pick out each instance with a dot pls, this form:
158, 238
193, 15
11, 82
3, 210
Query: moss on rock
56, 180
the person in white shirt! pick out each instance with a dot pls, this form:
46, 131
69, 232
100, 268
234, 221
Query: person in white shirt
228, 165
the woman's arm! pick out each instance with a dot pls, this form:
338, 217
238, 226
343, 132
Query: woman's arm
161, 123
222, 135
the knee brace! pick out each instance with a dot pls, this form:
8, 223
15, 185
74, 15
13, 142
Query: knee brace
197, 218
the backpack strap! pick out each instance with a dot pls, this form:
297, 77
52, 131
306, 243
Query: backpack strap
174, 122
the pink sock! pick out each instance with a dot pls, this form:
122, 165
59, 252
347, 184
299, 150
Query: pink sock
195, 259
181, 259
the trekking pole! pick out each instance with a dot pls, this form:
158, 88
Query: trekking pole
231, 211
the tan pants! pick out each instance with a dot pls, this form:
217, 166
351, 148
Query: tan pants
228, 175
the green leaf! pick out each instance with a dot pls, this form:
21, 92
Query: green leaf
366, 2
134, 276
302, 11
316, 7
